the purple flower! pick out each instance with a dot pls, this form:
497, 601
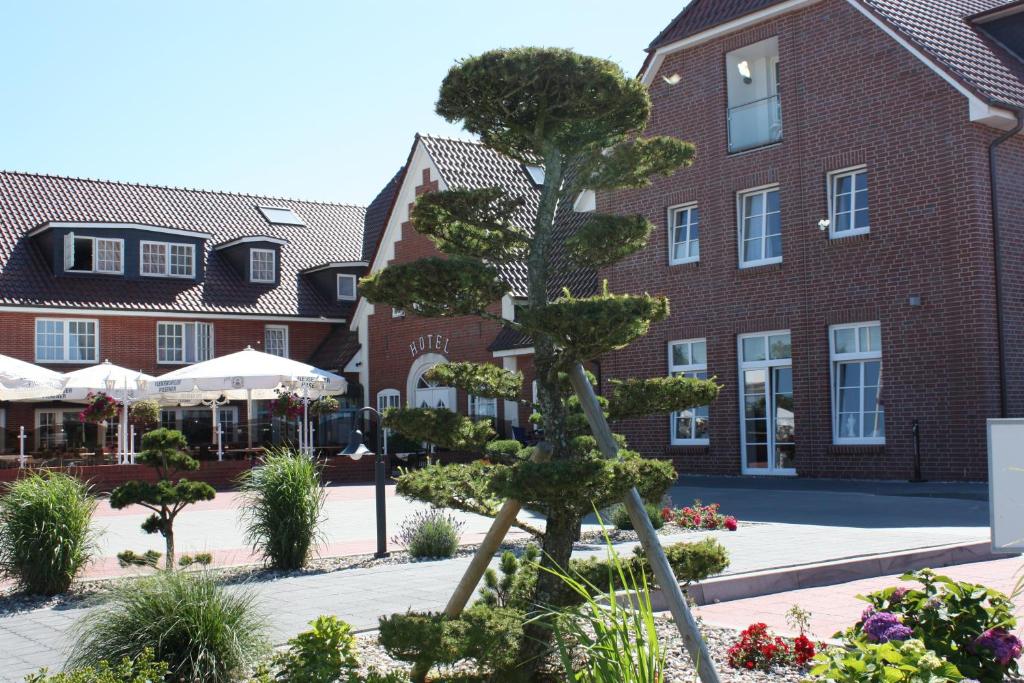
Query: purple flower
1004, 645
881, 627
898, 594
866, 614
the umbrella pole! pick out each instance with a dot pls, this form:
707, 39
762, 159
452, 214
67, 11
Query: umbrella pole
248, 415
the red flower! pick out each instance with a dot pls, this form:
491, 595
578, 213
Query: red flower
666, 513
731, 524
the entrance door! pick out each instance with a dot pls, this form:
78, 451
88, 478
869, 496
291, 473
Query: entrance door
767, 421
431, 395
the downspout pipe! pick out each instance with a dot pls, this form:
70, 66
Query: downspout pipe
993, 177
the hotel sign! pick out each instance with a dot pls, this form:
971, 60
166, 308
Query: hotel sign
429, 342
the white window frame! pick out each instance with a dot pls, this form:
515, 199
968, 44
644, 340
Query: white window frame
58, 412
688, 370
767, 364
859, 356
93, 268
266, 340
474, 403
397, 312
740, 214
181, 325
167, 246
831, 179
354, 281
273, 265
673, 211
3, 429
179, 413
66, 334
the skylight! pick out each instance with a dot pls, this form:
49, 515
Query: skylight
536, 174
281, 215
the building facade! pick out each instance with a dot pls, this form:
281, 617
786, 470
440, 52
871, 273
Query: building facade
831, 255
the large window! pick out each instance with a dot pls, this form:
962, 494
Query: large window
760, 227
262, 265
690, 359
858, 413
755, 113
768, 421
167, 259
848, 202
66, 340
59, 429
93, 255
481, 407
346, 287
275, 340
197, 424
684, 234
180, 343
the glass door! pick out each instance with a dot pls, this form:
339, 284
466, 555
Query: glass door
767, 420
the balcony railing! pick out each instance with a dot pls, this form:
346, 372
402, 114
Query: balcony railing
755, 124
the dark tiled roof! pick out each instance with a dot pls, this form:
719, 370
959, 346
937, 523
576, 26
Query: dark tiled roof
942, 29
336, 350
333, 232
509, 339
377, 214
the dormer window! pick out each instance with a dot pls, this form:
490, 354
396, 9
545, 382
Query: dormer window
262, 265
167, 259
346, 287
536, 174
280, 215
93, 255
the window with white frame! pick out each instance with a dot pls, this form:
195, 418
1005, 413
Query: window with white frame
388, 398
752, 84
689, 358
857, 408
397, 312
66, 340
178, 343
167, 259
62, 428
848, 202
481, 407
262, 265
93, 254
684, 234
760, 227
347, 287
275, 340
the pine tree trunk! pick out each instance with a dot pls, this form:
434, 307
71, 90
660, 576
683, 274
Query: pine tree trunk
169, 541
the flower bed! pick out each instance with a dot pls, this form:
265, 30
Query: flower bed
699, 516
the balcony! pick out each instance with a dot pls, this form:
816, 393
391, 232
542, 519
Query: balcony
755, 124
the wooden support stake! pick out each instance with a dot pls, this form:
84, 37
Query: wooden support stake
666, 580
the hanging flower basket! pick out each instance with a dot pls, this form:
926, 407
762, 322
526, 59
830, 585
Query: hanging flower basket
325, 405
145, 413
100, 408
286, 405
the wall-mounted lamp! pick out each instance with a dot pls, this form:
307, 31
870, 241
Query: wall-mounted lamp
744, 69
824, 224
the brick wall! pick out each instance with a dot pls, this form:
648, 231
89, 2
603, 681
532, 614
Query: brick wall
856, 98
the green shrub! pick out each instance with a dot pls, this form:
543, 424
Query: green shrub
420, 638
143, 669
430, 533
46, 534
907, 662
283, 508
504, 451
949, 617
130, 558
202, 559
204, 633
323, 654
514, 586
620, 517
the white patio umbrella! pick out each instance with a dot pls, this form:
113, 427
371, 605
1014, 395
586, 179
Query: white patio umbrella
248, 375
20, 380
115, 381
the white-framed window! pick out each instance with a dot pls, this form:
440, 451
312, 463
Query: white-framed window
262, 265
197, 423
93, 254
752, 82
767, 415
689, 358
167, 259
858, 413
61, 428
397, 312
179, 343
848, 202
481, 407
684, 234
67, 340
760, 228
388, 398
275, 340
347, 287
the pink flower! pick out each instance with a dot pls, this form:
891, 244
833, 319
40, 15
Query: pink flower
731, 523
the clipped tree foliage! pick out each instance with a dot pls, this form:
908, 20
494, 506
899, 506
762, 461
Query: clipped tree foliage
587, 328
632, 163
604, 239
479, 223
480, 379
659, 396
439, 426
436, 287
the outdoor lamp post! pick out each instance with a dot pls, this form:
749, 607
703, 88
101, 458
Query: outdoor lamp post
356, 449
124, 456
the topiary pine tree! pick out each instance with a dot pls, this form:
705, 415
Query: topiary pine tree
163, 449
581, 119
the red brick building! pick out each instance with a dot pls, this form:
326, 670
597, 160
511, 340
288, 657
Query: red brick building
838, 220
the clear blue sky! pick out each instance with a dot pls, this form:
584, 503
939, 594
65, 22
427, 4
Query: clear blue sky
315, 100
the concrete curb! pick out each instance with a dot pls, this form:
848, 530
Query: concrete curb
782, 579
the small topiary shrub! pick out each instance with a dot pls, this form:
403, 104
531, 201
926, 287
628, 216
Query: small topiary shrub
201, 559
283, 508
620, 517
204, 633
430, 533
504, 451
46, 534
323, 654
130, 558
143, 669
